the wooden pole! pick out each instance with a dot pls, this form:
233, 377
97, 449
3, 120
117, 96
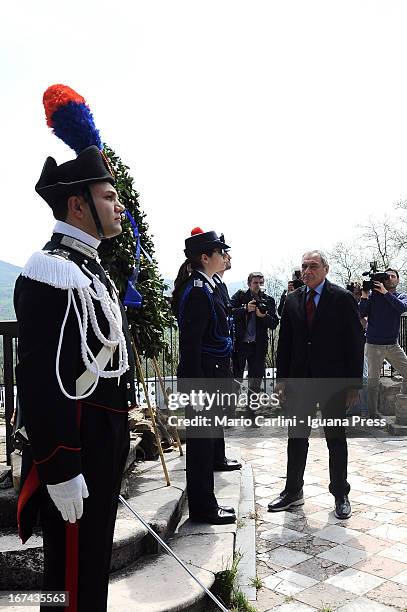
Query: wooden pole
151, 414
164, 391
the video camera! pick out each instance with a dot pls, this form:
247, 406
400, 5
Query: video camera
374, 275
296, 279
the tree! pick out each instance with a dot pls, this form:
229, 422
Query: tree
379, 237
346, 262
148, 323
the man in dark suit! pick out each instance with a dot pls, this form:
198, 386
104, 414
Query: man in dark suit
222, 463
321, 339
254, 313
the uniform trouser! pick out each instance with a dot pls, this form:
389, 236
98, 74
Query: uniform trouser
247, 352
199, 472
77, 556
219, 448
376, 353
297, 449
200, 457
206, 445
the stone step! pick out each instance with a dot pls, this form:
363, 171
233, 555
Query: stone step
174, 590
206, 549
161, 506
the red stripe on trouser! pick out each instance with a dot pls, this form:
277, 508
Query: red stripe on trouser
71, 564
31, 484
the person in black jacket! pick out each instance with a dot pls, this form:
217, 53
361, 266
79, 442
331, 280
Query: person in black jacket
75, 383
205, 347
222, 463
320, 339
254, 313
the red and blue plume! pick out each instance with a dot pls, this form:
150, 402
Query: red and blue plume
196, 230
70, 118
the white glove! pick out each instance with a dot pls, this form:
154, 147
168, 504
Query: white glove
68, 497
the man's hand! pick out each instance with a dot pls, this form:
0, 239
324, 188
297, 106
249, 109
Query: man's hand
251, 306
68, 497
352, 397
365, 294
259, 314
380, 288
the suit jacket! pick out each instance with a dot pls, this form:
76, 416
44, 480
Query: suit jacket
333, 348
270, 321
223, 290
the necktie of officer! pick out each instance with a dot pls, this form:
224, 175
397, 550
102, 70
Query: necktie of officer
310, 306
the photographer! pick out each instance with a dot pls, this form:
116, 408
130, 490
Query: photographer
293, 284
383, 307
254, 312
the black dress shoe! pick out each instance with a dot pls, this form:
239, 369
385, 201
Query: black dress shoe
228, 509
286, 500
342, 507
227, 465
216, 517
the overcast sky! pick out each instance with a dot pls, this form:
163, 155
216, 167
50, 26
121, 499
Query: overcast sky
282, 123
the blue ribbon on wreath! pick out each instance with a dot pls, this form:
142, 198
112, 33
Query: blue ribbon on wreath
133, 298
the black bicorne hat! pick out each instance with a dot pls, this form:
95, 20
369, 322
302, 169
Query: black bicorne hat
200, 242
57, 182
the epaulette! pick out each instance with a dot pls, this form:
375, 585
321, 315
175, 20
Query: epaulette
198, 283
55, 268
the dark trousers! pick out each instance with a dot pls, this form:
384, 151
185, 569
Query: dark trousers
200, 454
219, 448
297, 451
247, 352
206, 445
77, 556
297, 448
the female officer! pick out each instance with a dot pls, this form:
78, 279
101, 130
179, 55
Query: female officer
205, 347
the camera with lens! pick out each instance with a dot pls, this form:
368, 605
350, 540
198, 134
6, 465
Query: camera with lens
261, 304
296, 279
374, 275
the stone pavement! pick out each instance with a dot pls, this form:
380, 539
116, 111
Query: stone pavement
309, 560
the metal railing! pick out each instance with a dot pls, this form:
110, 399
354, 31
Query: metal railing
167, 364
8, 336
8, 357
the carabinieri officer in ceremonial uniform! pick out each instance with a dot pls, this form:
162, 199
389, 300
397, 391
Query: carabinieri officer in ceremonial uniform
205, 348
75, 382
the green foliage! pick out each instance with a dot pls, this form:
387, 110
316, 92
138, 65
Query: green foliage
257, 582
225, 580
240, 603
226, 589
149, 323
